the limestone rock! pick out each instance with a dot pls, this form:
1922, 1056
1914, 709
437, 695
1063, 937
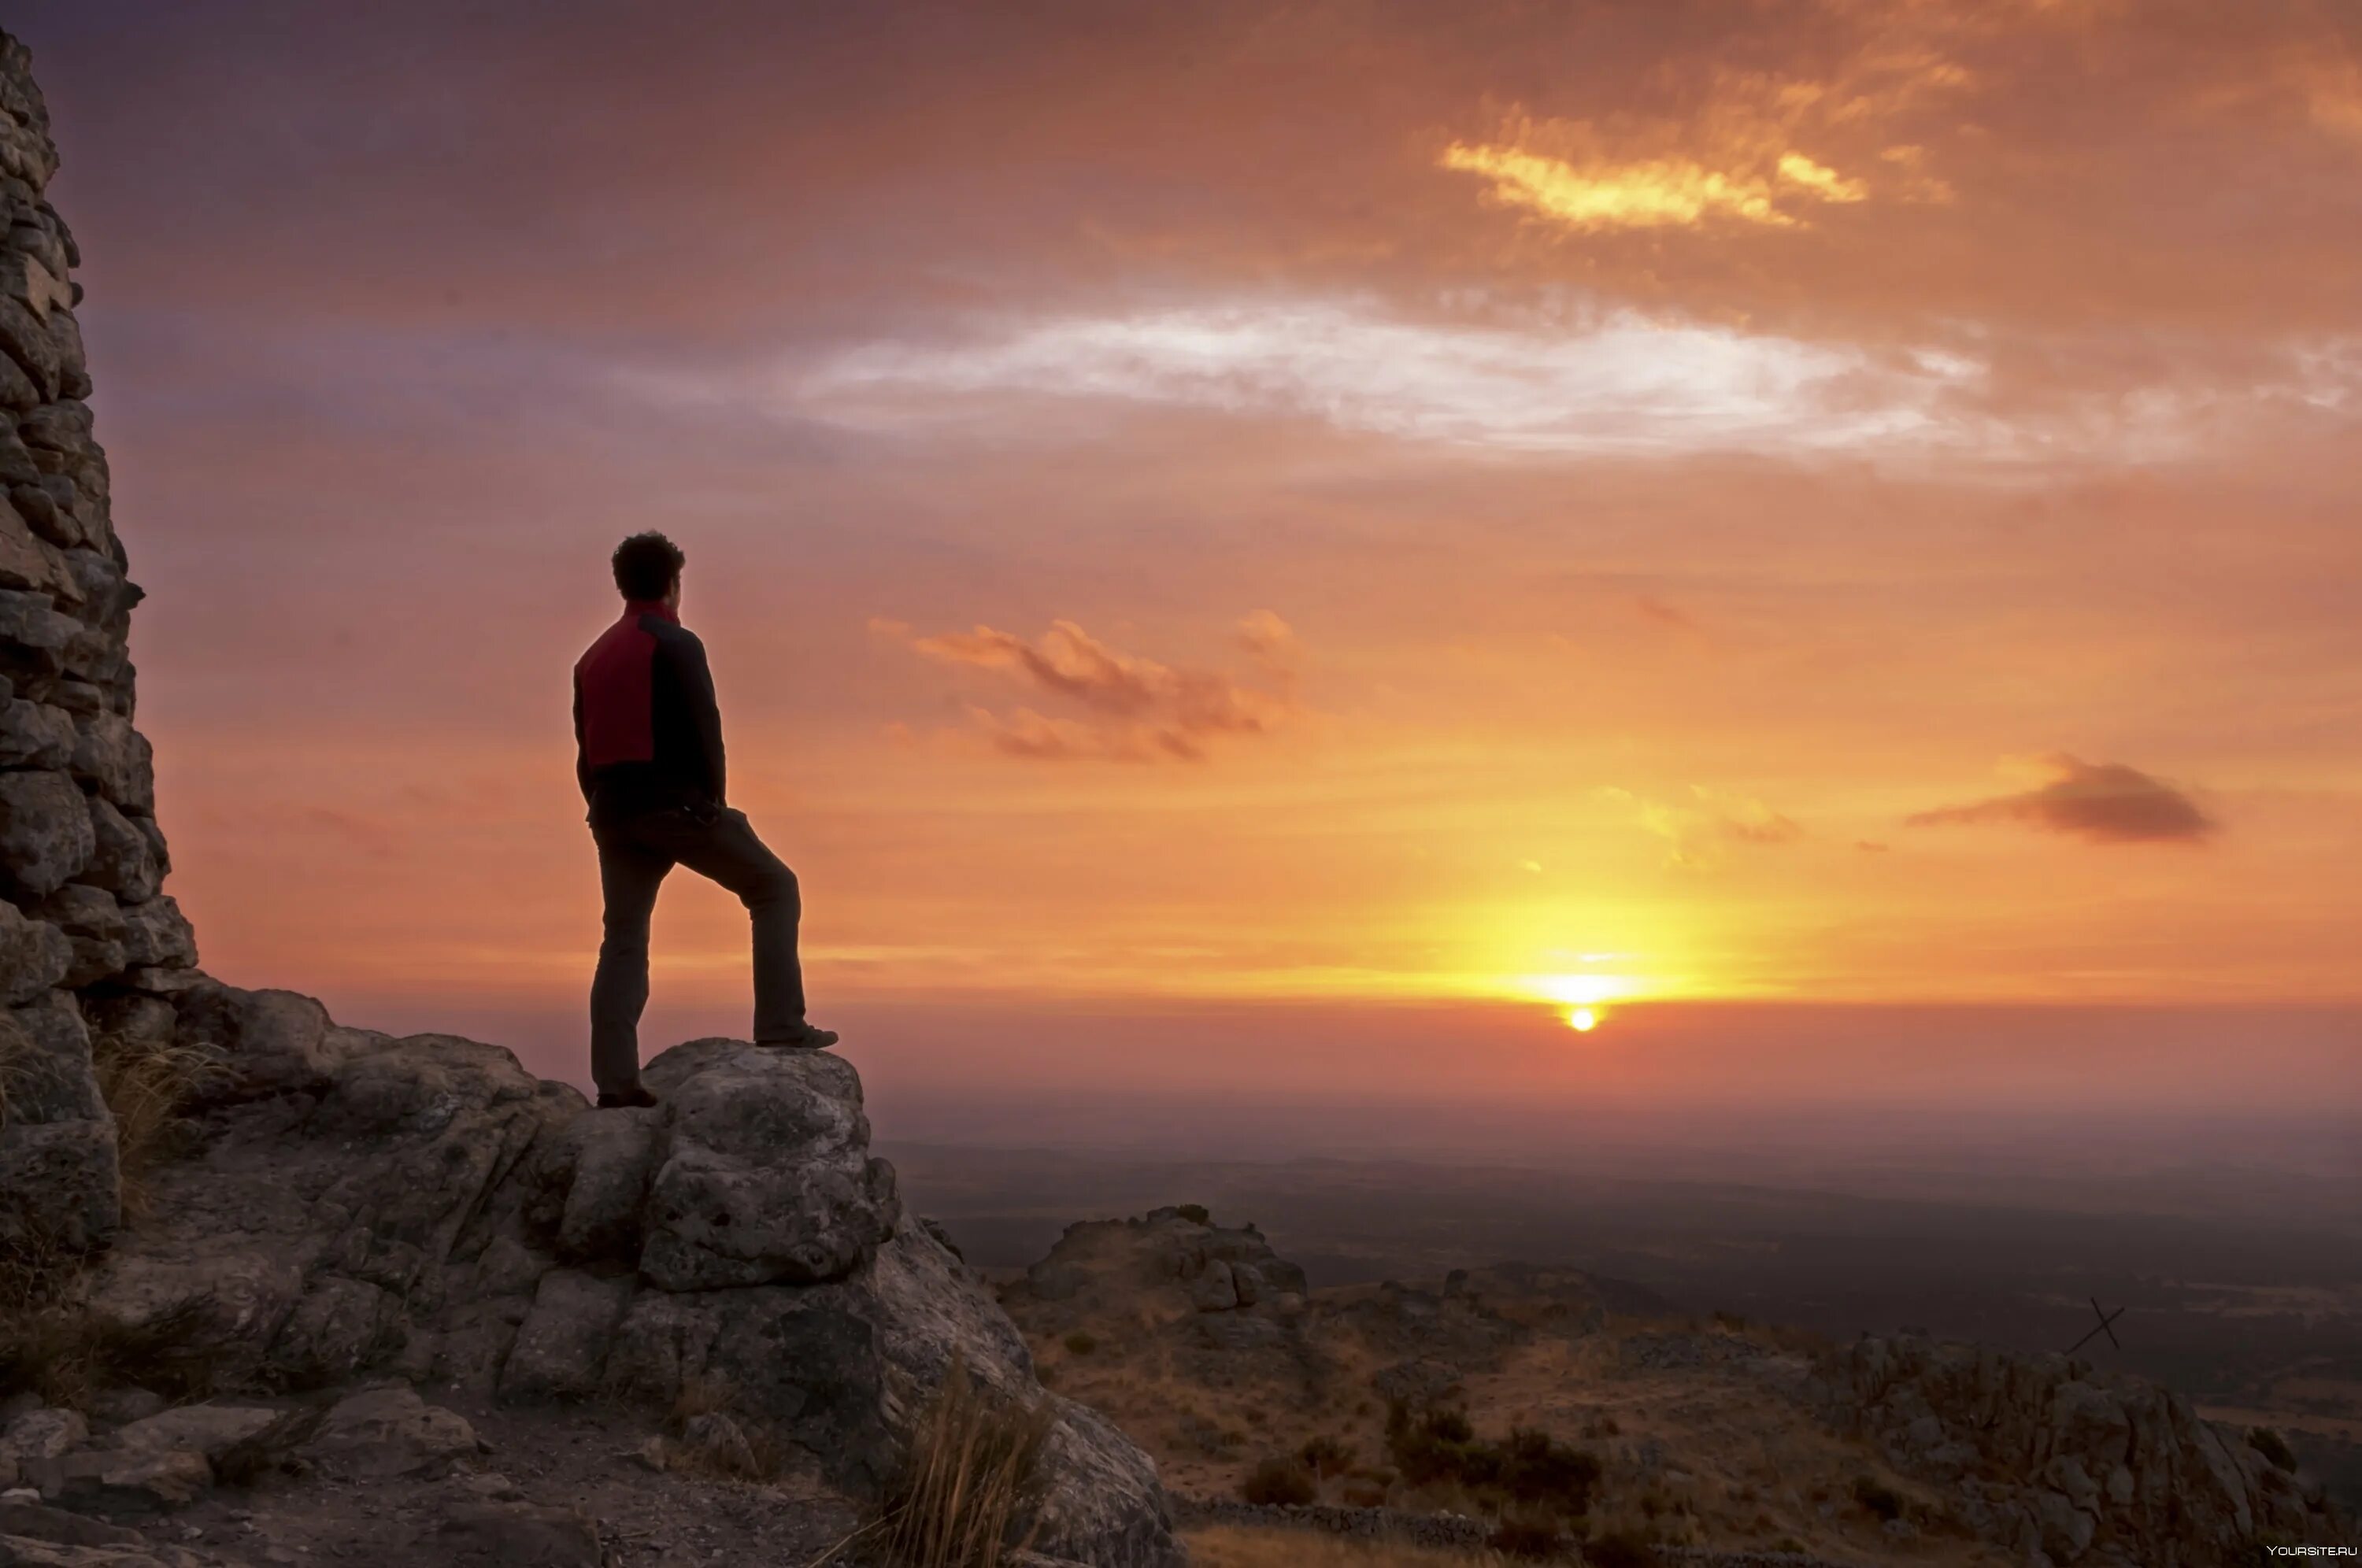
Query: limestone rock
60, 1184
340, 1325
157, 934
33, 635
34, 735
34, 956
45, 1434
125, 1483
386, 1433
29, 564
766, 1174
45, 831
207, 1429
606, 1163
115, 760
271, 1042
122, 859
51, 1078
561, 1347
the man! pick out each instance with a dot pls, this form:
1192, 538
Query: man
647, 739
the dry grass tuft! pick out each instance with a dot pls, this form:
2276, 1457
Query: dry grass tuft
698, 1396
272, 1450
147, 1085
972, 1480
63, 1352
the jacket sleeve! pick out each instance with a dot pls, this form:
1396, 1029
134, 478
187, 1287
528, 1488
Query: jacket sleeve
581, 752
704, 713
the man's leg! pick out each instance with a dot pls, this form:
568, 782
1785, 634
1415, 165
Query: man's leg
731, 854
629, 875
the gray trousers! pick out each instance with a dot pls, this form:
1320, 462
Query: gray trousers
635, 854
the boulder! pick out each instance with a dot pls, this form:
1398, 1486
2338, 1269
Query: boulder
34, 956
86, 915
44, 1433
340, 1326
114, 758
561, 1347
49, 1073
123, 858
27, 563
46, 837
33, 635
386, 1433
207, 1429
605, 1163
764, 1175
271, 1042
124, 1484
157, 934
35, 735
60, 1184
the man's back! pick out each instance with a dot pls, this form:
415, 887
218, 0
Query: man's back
646, 729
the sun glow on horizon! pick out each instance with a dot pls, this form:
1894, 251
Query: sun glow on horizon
1583, 1019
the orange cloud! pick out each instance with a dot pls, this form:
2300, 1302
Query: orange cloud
2105, 803
1138, 710
1699, 830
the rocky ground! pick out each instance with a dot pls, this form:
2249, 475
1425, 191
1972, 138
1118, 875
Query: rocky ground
1715, 1437
732, 1275
391, 1478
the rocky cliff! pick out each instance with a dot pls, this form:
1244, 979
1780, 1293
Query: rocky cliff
89, 940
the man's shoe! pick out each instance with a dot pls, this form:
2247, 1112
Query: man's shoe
636, 1098
806, 1038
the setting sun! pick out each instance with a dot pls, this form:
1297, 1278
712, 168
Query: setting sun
1583, 1019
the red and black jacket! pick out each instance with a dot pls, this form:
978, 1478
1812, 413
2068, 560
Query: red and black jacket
648, 733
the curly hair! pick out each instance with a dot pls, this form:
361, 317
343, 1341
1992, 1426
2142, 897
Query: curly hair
645, 566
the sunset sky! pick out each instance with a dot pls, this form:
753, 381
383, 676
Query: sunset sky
1274, 506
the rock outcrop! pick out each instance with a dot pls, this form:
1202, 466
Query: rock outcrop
422, 1207
88, 938
2063, 1465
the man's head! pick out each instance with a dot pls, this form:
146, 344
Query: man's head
647, 565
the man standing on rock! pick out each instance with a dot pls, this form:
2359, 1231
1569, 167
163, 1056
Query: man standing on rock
647, 738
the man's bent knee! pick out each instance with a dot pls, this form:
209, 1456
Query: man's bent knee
777, 884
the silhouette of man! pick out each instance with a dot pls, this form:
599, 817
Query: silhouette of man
647, 738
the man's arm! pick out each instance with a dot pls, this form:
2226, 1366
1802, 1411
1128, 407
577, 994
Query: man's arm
581, 752
704, 713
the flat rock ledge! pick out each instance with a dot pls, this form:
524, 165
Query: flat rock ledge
420, 1207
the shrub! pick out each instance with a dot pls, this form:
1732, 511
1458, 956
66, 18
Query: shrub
1081, 1344
1196, 1213
1620, 1549
2273, 1447
1281, 1481
968, 1486
1880, 1500
1362, 1495
1326, 1455
1526, 1535
1736, 1322
1537, 1468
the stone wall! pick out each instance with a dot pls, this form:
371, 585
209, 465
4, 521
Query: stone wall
90, 944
